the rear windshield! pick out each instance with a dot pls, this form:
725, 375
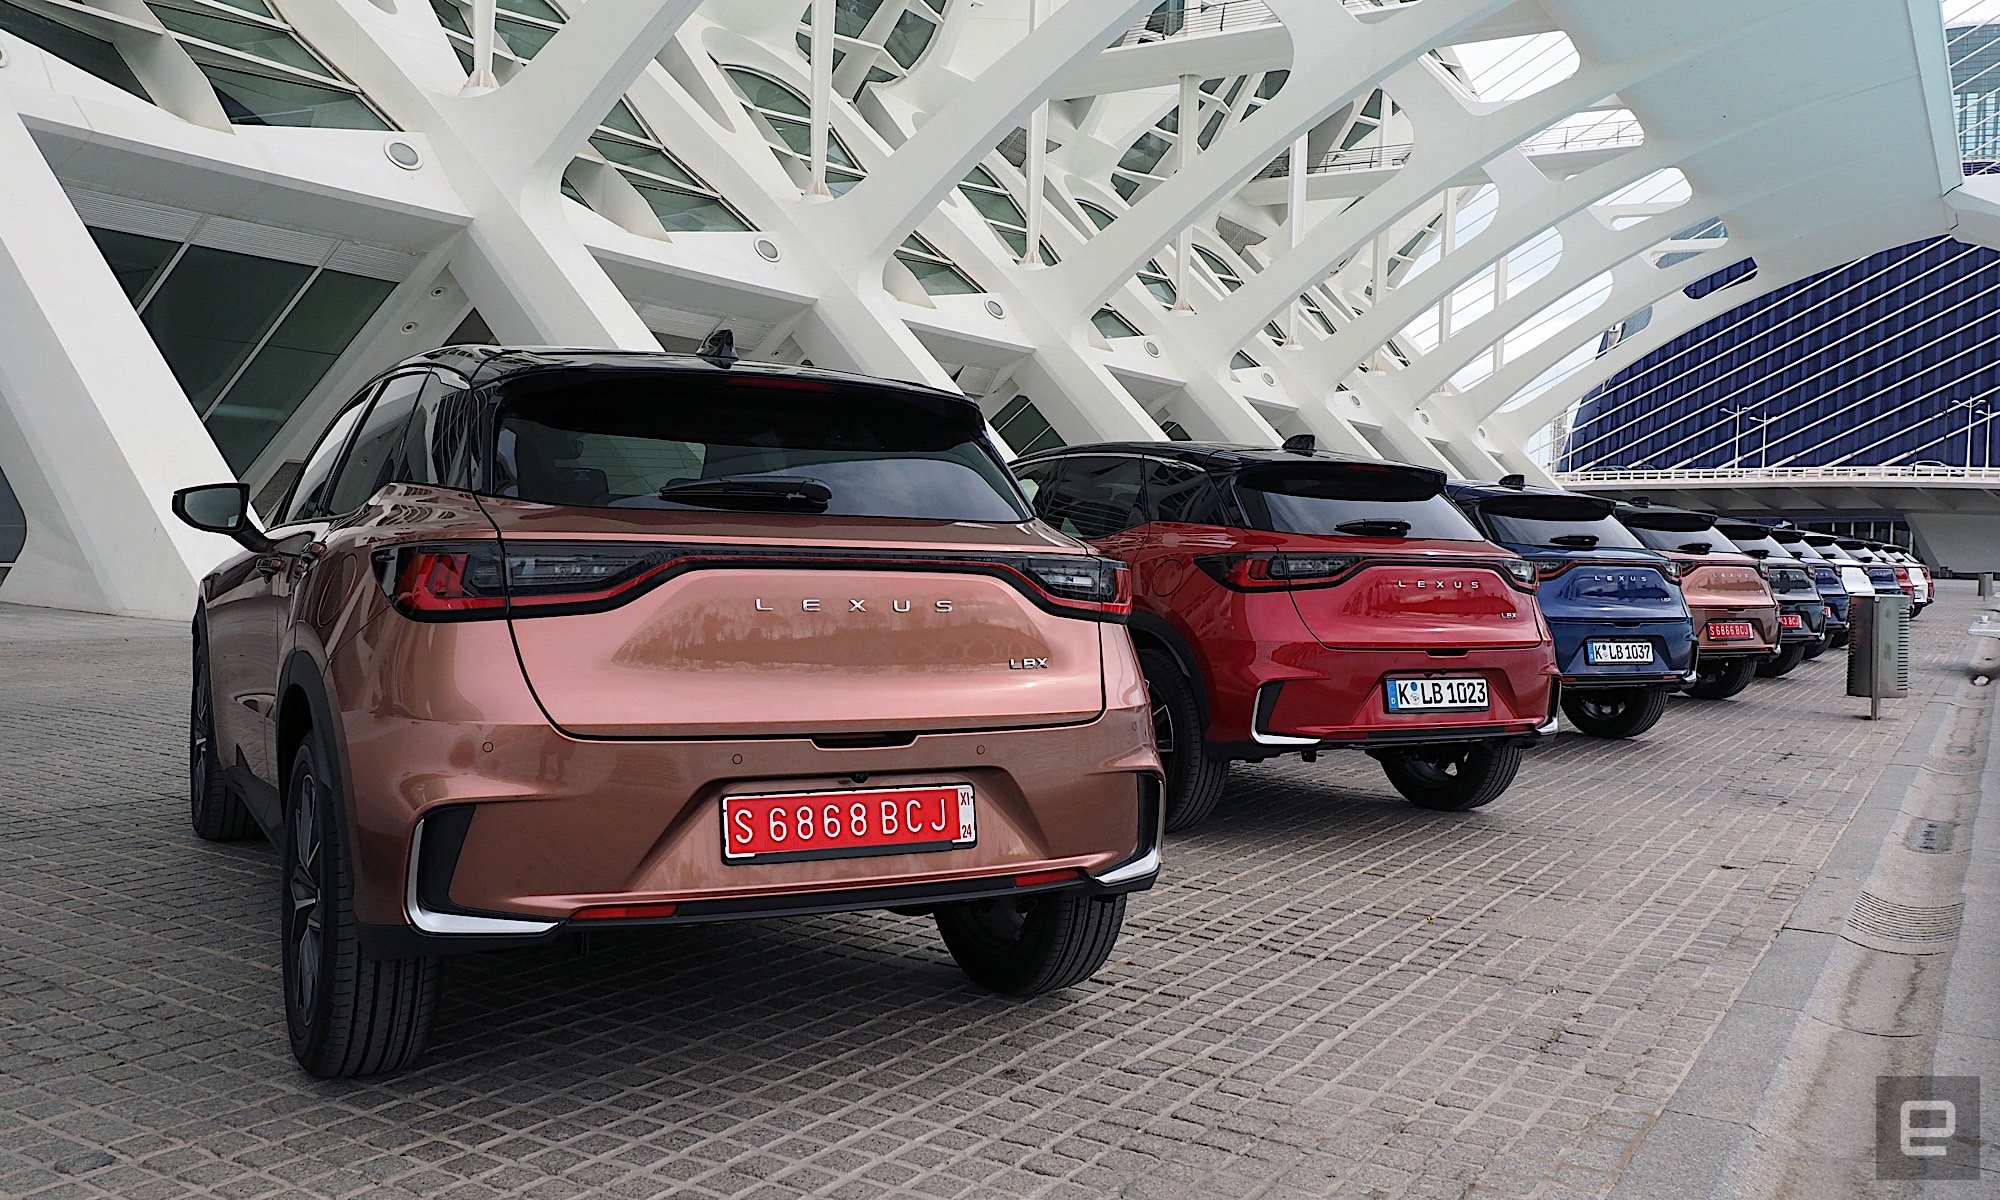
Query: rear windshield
1709, 540
1362, 500
1605, 533
1766, 543
664, 442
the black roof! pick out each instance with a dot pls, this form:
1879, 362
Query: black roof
483, 365
1214, 456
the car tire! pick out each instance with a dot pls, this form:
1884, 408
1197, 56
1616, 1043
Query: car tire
348, 1014
1027, 945
1614, 712
218, 814
1453, 777
1816, 648
1789, 657
1194, 778
1720, 682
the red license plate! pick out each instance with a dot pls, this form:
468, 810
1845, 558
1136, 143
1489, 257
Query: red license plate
1791, 620
788, 826
1723, 630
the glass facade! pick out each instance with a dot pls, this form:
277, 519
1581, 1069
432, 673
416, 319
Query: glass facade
879, 40
785, 118
262, 73
1886, 361
1025, 428
78, 49
248, 338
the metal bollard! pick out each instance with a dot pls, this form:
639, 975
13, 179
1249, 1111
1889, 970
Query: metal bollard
1878, 660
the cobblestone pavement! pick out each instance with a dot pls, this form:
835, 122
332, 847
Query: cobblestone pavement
1332, 994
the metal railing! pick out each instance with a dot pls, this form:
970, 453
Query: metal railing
1881, 474
1601, 136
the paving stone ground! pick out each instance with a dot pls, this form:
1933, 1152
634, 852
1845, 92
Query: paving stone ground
1332, 994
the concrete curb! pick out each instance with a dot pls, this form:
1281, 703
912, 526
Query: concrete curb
1781, 1101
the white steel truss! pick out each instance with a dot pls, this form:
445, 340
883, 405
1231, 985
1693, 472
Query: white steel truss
1404, 227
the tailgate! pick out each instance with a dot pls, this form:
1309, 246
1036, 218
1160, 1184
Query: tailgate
844, 628
1420, 605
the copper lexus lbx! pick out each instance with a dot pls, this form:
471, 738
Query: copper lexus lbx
543, 641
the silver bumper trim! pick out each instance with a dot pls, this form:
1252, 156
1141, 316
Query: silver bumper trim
427, 921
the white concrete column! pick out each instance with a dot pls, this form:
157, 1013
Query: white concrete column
1295, 227
483, 35
95, 432
821, 99
1035, 164
1187, 118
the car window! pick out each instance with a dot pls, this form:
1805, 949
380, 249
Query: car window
1709, 541
1351, 499
1607, 533
437, 436
366, 467
1182, 494
308, 490
1034, 478
670, 441
1095, 496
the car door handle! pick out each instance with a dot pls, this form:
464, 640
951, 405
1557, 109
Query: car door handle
270, 564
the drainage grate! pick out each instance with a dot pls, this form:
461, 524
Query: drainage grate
1930, 837
1904, 926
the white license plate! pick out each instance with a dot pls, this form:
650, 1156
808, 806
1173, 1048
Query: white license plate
1619, 652
1430, 695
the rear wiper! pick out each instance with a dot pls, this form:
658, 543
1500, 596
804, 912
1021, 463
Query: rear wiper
1582, 541
1374, 527
1695, 547
750, 491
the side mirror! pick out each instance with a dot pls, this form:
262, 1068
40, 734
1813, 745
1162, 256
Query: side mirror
222, 508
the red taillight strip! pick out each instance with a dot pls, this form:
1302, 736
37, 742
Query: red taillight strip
623, 912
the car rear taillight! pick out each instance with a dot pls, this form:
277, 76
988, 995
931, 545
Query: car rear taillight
1521, 572
469, 580
449, 581
1266, 572
1098, 587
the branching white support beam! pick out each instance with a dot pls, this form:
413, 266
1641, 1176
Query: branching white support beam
1449, 140
95, 433
822, 92
534, 125
868, 222
1336, 59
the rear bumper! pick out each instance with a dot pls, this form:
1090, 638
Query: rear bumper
1762, 642
501, 846
1320, 698
1673, 653
436, 923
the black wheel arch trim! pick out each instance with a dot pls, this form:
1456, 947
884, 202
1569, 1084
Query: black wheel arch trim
1170, 639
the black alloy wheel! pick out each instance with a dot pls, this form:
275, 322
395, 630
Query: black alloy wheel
1027, 945
1719, 679
1614, 712
347, 1012
1194, 778
1453, 777
1790, 655
217, 814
